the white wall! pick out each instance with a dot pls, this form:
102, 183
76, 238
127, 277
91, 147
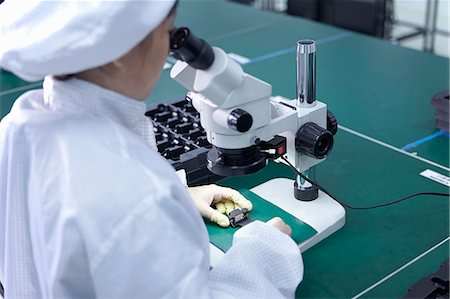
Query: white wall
413, 11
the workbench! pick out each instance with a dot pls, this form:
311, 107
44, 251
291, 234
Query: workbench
380, 94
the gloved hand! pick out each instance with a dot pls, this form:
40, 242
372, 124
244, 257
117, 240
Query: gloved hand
224, 200
278, 223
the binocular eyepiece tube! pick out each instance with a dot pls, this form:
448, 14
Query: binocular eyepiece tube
187, 47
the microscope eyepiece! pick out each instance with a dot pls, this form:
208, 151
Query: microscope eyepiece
187, 47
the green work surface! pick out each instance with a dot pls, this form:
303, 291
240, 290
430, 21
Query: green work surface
380, 94
399, 284
437, 148
373, 243
8, 81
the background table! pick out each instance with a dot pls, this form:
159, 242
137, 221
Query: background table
380, 94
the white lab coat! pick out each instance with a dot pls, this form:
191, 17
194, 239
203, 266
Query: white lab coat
88, 208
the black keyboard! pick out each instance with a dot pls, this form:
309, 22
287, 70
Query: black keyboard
181, 140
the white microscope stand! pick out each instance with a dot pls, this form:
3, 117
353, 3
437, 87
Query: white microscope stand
324, 214
222, 86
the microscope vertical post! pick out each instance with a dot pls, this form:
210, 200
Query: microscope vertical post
306, 98
306, 73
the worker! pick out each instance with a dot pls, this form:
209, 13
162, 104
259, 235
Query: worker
88, 207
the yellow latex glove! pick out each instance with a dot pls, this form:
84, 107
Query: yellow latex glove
224, 200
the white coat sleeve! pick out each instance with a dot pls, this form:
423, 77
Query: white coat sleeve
262, 263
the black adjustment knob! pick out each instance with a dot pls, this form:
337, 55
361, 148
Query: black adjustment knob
314, 141
332, 124
240, 120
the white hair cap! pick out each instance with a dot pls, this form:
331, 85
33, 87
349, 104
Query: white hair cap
41, 37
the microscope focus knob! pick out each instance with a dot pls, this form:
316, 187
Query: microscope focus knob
240, 120
314, 141
332, 124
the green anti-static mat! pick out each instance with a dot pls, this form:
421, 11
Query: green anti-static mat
262, 209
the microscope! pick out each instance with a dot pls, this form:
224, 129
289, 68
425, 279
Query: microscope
247, 127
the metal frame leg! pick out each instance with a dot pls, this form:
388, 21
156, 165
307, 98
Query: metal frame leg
430, 25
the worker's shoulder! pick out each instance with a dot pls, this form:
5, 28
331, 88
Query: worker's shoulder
78, 138
30, 113
33, 119
19, 115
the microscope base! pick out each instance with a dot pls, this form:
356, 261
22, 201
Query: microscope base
324, 214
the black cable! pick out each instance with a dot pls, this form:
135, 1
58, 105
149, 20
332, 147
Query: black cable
353, 207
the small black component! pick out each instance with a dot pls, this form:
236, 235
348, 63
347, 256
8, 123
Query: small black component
432, 286
163, 145
163, 116
240, 120
187, 47
172, 122
173, 152
158, 137
314, 141
239, 217
274, 148
183, 128
202, 141
332, 124
195, 133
